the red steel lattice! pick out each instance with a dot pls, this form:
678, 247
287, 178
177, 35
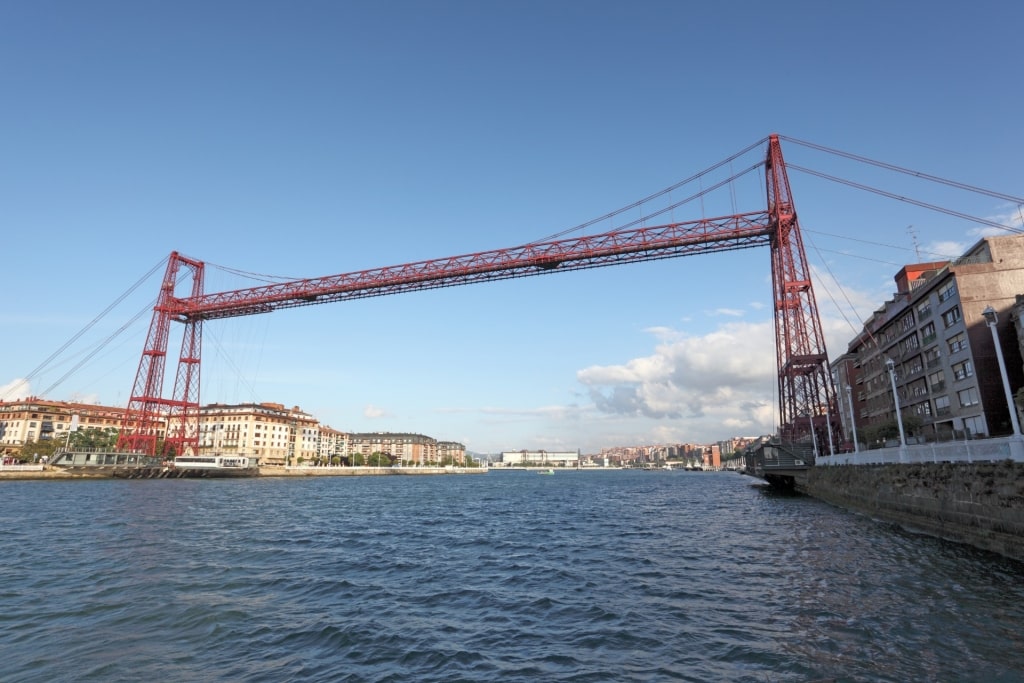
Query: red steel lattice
805, 385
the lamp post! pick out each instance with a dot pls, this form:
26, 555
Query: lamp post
991, 319
853, 420
891, 364
814, 437
828, 426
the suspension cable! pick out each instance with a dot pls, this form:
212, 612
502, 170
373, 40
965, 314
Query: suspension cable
907, 171
711, 188
42, 366
660, 193
908, 200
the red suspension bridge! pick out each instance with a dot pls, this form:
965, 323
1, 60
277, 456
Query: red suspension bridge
807, 396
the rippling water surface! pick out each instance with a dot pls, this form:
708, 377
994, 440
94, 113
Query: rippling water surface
508, 576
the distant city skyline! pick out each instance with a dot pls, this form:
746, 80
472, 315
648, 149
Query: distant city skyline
340, 137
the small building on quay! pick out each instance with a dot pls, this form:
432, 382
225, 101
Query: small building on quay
540, 458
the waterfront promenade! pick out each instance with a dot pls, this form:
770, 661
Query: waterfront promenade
975, 450
279, 471
13, 472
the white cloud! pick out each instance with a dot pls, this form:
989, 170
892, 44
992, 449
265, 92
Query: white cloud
726, 375
734, 312
373, 412
946, 250
15, 389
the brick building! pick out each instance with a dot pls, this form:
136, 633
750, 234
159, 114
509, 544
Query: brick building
933, 338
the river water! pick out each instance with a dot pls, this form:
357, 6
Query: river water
509, 576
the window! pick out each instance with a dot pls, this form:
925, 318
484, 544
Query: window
924, 310
974, 426
910, 343
957, 343
928, 332
952, 316
937, 381
968, 397
963, 370
942, 405
948, 291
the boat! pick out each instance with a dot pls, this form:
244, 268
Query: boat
138, 466
547, 471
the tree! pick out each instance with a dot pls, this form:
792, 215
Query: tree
32, 450
890, 429
104, 439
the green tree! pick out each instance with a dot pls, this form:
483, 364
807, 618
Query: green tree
98, 438
378, 459
32, 450
890, 429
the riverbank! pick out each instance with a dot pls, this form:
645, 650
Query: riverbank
8, 474
979, 504
278, 471
56, 473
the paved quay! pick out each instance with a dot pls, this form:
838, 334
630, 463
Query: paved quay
277, 471
55, 473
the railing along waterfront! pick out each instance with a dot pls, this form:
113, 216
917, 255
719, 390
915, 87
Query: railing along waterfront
973, 450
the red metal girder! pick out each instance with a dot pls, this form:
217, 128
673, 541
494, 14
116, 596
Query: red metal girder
140, 429
622, 246
806, 391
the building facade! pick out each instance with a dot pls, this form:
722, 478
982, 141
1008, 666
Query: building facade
275, 435
406, 449
34, 419
932, 342
540, 458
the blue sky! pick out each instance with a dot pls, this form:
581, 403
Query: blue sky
314, 138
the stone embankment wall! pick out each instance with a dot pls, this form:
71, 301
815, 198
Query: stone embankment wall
980, 504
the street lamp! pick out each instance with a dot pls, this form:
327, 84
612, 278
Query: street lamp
828, 426
891, 364
991, 318
853, 419
814, 438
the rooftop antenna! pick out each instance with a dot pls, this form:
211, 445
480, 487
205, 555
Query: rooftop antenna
913, 239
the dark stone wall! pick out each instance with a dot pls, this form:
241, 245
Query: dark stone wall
980, 504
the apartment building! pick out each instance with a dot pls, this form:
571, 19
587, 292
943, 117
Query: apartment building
404, 448
272, 433
451, 452
334, 445
35, 419
932, 341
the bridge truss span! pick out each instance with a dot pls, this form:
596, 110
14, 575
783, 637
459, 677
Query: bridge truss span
805, 385
592, 251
